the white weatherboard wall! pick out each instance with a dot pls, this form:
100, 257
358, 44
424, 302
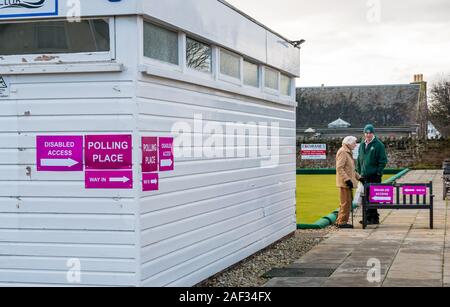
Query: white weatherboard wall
47, 218
209, 213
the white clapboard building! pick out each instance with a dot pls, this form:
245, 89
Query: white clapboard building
182, 69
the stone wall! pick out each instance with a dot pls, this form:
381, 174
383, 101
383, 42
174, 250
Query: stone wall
402, 153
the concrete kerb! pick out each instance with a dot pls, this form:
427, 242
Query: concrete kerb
330, 219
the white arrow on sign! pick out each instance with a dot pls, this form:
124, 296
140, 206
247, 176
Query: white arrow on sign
59, 162
122, 179
382, 198
166, 162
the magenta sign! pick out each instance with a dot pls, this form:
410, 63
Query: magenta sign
109, 179
150, 182
108, 152
149, 154
166, 157
414, 190
381, 194
59, 153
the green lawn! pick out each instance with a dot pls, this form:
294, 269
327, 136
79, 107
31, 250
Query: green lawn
317, 196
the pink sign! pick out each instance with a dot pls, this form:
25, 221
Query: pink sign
166, 157
150, 182
382, 194
108, 151
59, 153
149, 154
109, 179
414, 190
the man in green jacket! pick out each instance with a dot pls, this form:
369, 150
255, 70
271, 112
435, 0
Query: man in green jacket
370, 164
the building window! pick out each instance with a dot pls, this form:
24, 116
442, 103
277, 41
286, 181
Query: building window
198, 55
160, 44
54, 37
271, 79
285, 83
230, 64
251, 74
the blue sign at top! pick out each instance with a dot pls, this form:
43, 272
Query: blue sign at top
28, 8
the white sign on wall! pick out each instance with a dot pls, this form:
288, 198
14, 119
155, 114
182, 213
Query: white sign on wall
314, 152
4, 87
28, 8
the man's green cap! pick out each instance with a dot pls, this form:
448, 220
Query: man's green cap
369, 129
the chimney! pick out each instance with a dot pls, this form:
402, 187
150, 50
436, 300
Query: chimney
418, 78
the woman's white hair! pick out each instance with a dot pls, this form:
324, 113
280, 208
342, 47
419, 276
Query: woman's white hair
349, 140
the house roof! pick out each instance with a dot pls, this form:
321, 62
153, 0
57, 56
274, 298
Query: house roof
381, 105
339, 123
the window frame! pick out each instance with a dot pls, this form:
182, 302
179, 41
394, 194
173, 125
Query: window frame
270, 90
155, 62
56, 58
227, 78
290, 85
195, 71
259, 75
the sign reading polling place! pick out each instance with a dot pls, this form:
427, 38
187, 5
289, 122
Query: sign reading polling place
149, 154
28, 8
108, 152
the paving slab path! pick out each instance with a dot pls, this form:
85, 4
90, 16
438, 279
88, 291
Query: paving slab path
401, 251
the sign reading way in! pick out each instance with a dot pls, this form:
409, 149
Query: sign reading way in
150, 182
414, 190
381, 194
109, 179
314, 152
59, 153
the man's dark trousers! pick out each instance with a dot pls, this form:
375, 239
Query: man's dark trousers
372, 214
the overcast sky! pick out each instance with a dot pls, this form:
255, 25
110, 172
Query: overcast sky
352, 42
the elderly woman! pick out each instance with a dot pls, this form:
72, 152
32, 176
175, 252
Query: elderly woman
346, 179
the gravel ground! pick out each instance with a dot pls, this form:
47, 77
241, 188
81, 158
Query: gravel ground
248, 272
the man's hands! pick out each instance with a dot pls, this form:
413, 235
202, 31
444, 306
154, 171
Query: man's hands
349, 184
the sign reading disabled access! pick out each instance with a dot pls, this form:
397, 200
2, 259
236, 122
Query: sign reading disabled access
150, 182
149, 154
59, 153
109, 179
166, 156
382, 194
108, 151
414, 190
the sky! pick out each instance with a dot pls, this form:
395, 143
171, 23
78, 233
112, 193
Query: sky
361, 42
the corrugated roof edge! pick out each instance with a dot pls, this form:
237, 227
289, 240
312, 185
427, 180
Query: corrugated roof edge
256, 21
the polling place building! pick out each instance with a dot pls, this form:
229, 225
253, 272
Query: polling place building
107, 176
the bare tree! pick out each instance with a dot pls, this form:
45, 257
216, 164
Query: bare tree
440, 107
198, 55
